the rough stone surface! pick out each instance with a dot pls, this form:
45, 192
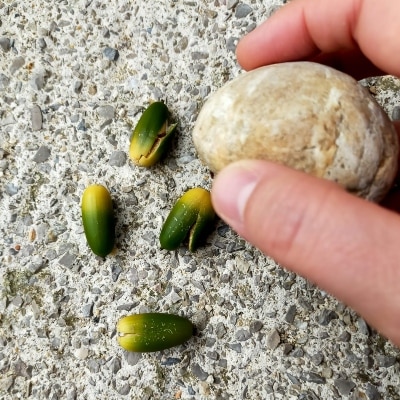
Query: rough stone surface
257, 330
306, 116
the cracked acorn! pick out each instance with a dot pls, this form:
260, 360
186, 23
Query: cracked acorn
192, 216
150, 332
98, 219
151, 136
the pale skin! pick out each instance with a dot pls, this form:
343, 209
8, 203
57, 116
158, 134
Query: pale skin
347, 246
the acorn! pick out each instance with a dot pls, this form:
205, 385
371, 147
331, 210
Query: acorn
191, 217
150, 332
98, 219
151, 136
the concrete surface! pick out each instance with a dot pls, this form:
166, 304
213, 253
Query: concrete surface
74, 78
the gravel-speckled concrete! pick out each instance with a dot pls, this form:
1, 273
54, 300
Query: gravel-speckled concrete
74, 77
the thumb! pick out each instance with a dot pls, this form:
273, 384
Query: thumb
346, 245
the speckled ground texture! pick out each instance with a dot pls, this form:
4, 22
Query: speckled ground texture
74, 78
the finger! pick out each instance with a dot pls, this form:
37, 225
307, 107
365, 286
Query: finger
352, 62
304, 29
346, 245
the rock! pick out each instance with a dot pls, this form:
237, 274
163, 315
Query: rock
16, 64
256, 326
372, 392
304, 115
385, 361
36, 118
327, 316
4, 81
5, 43
87, 310
290, 314
344, 386
42, 154
363, 327
117, 158
242, 10
313, 377
231, 3
273, 339
111, 54
106, 112
198, 372
242, 335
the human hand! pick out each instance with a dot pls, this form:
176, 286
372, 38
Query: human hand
346, 245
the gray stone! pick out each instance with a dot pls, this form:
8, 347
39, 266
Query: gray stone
317, 358
41, 43
4, 81
36, 118
344, 386
5, 43
93, 366
372, 392
363, 327
111, 54
11, 189
87, 310
115, 272
231, 43
22, 369
42, 154
220, 330
78, 87
199, 55
231, 4
313, 377
124, 389
327, 316
235, 347
117, 158
16, 64
169, 361
273, 339
290, 315
106, 112
242, 10
344, 337
67, 260
198, 372
242, 335
255, 326
38, 80
132, 358
115, 365
385, 361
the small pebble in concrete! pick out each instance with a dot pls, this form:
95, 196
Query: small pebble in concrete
198, 372
242, 10
111, 54
344, 386
273, 339
117, 158
36, 118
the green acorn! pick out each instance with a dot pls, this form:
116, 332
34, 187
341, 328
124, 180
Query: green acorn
98, 219
192, 216
153, 331
151, 135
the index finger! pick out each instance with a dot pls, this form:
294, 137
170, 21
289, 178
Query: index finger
364, 32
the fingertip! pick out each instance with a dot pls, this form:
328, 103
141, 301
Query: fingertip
231, 190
